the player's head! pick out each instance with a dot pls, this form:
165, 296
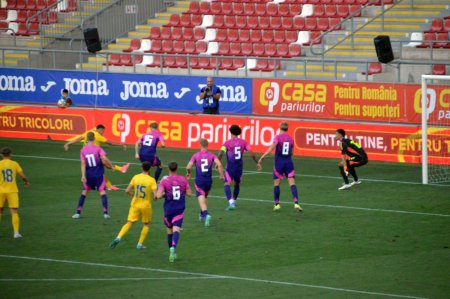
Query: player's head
100, 128
210, 81
284, 126
146, 166
65, 92
154, 126
340, 133
235, 130
90, 136
173, 166
204, 143
6, 152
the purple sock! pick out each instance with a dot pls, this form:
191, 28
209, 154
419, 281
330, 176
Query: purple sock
276, 194
227, 190
294, 193
236, 190
169, 239
81, 203
157, 173
105, 204
176, 236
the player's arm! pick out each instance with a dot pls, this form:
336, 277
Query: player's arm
219, 167
217, 95
24, 179
222, 151
188, 169
137, 147
128, 190
106, 162
78, 139
269, 150
124, 146
163, 142
155, 191
83, 171
252, 154
188, 191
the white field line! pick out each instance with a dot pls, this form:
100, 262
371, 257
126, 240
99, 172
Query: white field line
303, 203
104, 279
212, 276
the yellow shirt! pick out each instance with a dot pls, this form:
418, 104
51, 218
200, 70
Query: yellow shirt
99, 139
143, 188
9, 169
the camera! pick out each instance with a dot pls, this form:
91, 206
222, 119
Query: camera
207, 89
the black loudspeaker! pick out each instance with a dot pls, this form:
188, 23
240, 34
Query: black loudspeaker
92, 40
384, 49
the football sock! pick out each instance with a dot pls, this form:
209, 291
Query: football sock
344, 176
105, 204
352, 171
294, 193
169, 239
176, 236
157, 173
108, 184
276, 194
117, 168
124, 230
144, 233
236, 190
80, 203
227, 190
15, 222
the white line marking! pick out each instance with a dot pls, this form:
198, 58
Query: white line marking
340, 207
213, 276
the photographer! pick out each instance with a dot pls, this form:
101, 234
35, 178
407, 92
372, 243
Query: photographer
210, 94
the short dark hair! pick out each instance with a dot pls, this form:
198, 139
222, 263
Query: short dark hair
284, 126
90, 136
154, 125
146, 166
341, 131
100, 126
235, 130
65, 91
6, 151
173, 166
204, 142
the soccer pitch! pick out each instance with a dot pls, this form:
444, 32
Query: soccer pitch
386, 238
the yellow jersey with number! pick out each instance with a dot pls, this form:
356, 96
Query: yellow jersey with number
8, 171
143, 188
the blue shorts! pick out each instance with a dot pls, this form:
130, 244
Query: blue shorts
203, 187
283, 168
172, 219
95, 183
153, 160
233, 175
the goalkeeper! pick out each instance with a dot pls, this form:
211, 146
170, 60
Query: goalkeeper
353, 155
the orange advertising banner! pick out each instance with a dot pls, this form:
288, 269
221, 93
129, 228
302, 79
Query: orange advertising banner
395, 143
380, 102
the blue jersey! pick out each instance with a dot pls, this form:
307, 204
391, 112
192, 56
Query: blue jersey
209, 102
174, 187
149, 142
91, 155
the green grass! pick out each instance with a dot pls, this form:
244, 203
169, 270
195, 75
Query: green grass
388, 237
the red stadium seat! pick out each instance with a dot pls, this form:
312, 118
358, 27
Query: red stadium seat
295, 9
342, 11
428, 38
437, 25
193, 62
322, 24
199, 33
156, 62
272, 9
249, 8
267, 36
156, 46
270, 49
178, 46
330, 10
205, 8
275, 22
351, 2
216, 8
174, 20
155, 33
233, 35
235, 49
255, 36
238, 8
22, 16
181, 61
438, 69
126, 60
167, 46
442, 38
135, 44
319, 10
31, 5
287, 22
238, 63
252, 22
218, 22
291, 36
374, 68
260, 9
224, 49
194, 7
169, 61
264, 22
201, 47
227, 8
284, 9
333, 22
230, 21
166, 33
241, 22
311, 23
41, 4
246, 49
196, 20
338, 1
258, 49
221, 35
185, 20
294, 50
447, 25
114, 59
226, 64
279, 36
244, 35
21, 4
189, 47
188, 33
177, 33
299, 23
353, 9
11, 4
282, 50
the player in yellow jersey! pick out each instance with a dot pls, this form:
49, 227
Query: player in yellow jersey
8, 187
99, 140
141, 205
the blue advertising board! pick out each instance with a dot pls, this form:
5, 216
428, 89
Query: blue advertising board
142, 91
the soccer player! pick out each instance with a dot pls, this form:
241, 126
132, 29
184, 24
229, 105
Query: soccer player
8, 188
145, 148
99, 140
141, 205
284, 166
203, 161
234, 149
93, 159
356, 157
174, 188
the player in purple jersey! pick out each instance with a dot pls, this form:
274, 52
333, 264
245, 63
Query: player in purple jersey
93, 159
174, 188
284, 147
203, 160
234, 149
146, 148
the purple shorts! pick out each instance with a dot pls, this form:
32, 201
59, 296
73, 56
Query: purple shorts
283, 168
203, 187
95, 183
233, 175
173, 219
153, 160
